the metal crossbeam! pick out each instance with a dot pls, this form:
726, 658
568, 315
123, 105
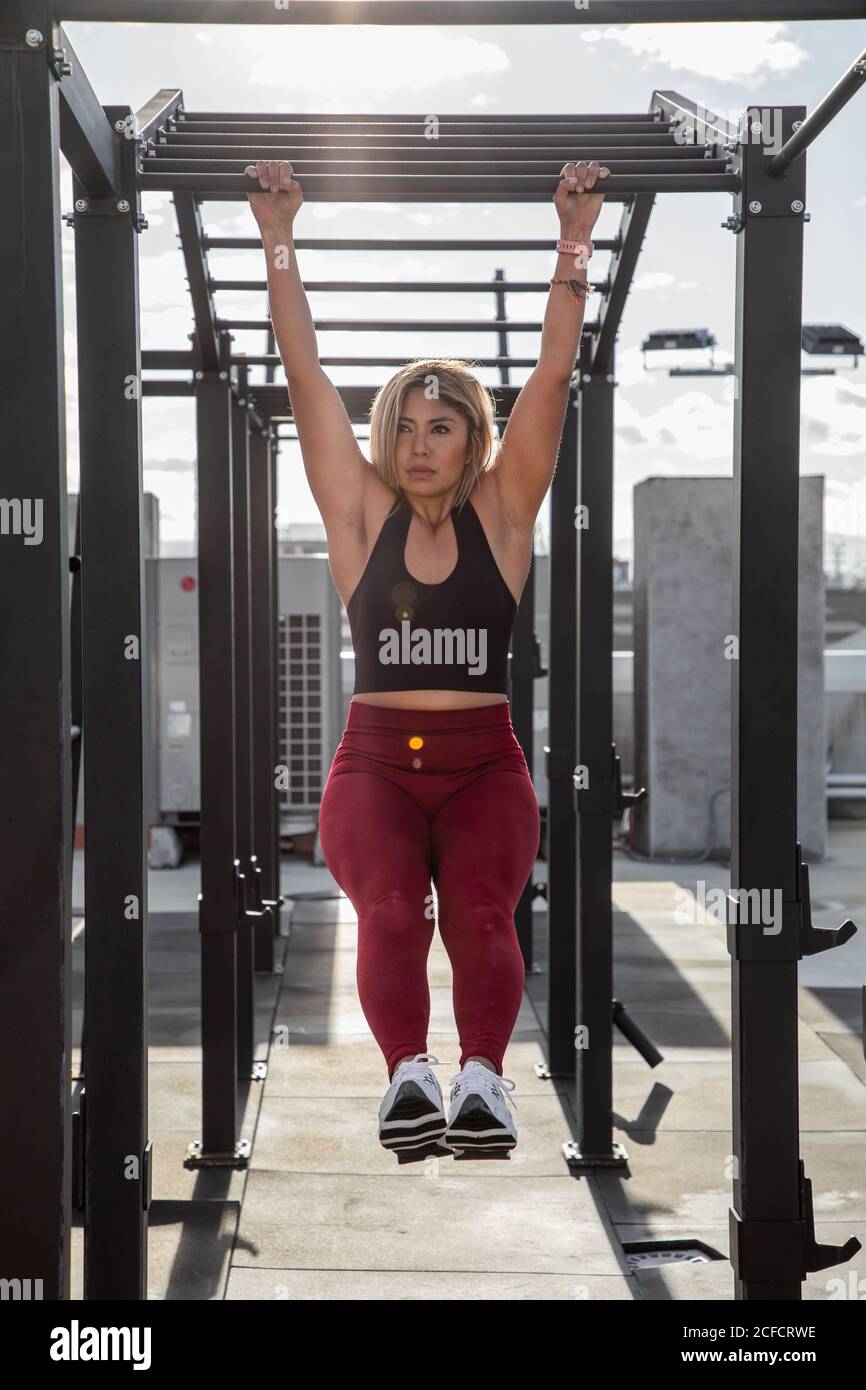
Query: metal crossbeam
443, 12
204, 311
86, 138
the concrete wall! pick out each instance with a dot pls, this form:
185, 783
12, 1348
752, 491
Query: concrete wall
682, 701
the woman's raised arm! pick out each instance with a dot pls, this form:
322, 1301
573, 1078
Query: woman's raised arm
532, 436
336, 469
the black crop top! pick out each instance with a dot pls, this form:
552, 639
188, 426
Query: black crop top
449, 636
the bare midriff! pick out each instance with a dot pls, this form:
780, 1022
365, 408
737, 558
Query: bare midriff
428, 699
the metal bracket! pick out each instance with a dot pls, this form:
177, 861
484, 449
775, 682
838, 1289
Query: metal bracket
238, 1158
609, 799
768, 1251
59, 63
797, 937
576, 1158
760, 195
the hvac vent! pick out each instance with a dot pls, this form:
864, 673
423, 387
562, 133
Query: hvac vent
300, 713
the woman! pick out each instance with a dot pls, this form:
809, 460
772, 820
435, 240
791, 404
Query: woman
429, 549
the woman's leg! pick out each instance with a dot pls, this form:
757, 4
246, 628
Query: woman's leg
376, 842
485, 840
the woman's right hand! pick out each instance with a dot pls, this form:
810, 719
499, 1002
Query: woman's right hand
283, 195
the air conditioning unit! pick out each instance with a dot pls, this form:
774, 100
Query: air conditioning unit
309, 693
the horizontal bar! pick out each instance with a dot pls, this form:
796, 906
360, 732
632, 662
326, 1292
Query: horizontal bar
407, 286
371, 120
392, 325
434, 166
391, 157
163, 360
658, 136
166, 387
829, 106
417, 131
254, 243
269, 360
430, 188
442, 12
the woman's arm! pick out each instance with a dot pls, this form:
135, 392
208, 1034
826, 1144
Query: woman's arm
531, 440
335, 466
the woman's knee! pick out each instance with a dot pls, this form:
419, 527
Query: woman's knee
488, 917
397, 909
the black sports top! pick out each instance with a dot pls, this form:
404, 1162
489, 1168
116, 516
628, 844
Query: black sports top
449, 636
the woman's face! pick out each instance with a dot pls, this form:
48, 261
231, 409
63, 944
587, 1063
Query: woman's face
432, 440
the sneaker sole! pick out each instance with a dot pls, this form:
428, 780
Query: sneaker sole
414, 1126
477, 1133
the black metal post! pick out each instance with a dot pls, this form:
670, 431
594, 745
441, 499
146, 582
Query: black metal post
765, 1238
593, 777
524, 670
36, 777
218, 907
244, 833
264, 758
561, 753
75, 669
116, 1168
280, 693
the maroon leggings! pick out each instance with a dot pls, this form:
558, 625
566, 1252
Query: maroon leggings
444, 794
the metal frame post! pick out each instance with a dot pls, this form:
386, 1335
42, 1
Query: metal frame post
244, 829
524, 668
35, 683
593, 784
263, 657
561, 753
116, 1152
276, 687
765, 1233
218, 905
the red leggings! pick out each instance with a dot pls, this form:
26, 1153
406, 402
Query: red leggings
444, 794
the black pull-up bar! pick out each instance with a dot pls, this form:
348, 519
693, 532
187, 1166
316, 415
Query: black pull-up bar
498, 12
823, 114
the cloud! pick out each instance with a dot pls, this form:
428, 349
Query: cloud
370, 61
692, 426
724, 52
832, 421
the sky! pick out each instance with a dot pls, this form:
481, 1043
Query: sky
685, 278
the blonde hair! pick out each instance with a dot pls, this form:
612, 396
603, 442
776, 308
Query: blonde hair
455, 384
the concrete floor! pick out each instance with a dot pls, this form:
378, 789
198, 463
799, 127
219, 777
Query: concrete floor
323, 1212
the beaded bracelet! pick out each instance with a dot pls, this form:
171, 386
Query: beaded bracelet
578, 289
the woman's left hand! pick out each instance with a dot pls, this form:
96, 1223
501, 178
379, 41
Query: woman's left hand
578, 208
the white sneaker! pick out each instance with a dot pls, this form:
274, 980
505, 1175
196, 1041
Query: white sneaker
412, 1116
479, 1124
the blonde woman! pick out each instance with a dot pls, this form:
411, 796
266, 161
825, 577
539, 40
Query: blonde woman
429, 547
